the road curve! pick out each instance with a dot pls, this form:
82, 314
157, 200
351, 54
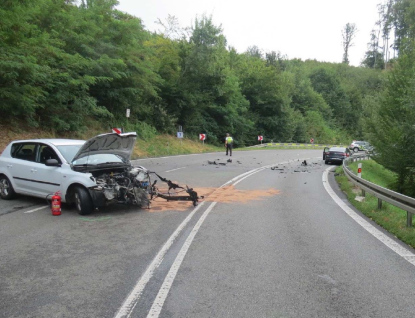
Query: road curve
274, 243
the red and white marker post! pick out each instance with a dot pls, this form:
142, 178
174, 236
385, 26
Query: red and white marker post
202, 137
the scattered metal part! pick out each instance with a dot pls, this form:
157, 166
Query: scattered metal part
191, 194
218, 163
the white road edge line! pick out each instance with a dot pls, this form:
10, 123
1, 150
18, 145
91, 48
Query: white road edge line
131, 301
393, 245
37, 209
174, 169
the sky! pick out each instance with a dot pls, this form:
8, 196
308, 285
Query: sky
304, 29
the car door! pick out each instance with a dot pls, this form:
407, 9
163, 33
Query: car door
30, 175
22, 166
48, 179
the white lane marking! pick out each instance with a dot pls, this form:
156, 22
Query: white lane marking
168, 281
131, 301
174, 169
245, 175
129, 304
392, 244
37, 209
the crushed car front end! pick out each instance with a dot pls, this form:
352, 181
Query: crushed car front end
128, 185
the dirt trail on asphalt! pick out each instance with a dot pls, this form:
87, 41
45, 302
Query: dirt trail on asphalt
226, 194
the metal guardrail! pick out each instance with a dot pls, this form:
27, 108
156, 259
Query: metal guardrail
397, 199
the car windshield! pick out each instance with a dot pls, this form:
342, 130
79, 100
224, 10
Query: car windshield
69, 151
98, 159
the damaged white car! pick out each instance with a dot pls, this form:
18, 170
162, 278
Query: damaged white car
90, 174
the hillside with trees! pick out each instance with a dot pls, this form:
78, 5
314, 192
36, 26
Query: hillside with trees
66, 65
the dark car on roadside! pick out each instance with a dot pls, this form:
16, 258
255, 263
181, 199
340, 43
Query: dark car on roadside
337, 154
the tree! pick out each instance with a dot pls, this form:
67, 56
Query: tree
268, 91
254, 51
171, 28
42, 82
326, 82
211, 97
392, 124
348, 34
276, 60
373, 57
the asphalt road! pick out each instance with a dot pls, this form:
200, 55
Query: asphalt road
274, 243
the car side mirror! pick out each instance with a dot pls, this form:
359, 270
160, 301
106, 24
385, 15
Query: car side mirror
52, 163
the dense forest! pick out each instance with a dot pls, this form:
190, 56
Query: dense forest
67, 63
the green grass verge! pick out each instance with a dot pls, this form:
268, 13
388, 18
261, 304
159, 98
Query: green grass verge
389, 217
166, 145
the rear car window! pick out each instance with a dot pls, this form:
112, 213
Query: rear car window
24, 151
338, 149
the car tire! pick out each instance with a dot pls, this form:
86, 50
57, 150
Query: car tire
6, 188
83, 201
326, 162
355, 149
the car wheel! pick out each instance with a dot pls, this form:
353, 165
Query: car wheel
6, 188
355, 149
83, 201
326, 162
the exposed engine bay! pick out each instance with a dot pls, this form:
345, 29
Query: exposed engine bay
133, 185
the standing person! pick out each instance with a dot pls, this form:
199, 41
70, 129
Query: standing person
228, 144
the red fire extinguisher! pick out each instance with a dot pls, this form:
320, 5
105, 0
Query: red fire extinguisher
56, 204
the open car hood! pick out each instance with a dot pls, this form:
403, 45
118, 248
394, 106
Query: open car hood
112, 143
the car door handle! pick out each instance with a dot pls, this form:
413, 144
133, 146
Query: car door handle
9, 166
33, 170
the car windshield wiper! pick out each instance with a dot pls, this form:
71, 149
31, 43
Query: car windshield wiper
109, 163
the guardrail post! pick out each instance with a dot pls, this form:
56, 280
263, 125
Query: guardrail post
408, 219
379, 204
